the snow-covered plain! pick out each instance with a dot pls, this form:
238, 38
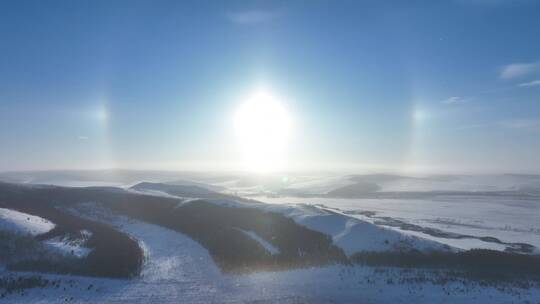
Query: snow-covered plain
177, 269
349, 233
352, 234
508, 219
504, 182
511, 218
506, 207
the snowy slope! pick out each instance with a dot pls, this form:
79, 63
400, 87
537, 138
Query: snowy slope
179, 270
349, 233
269, 247
71, 245
23, 223
508, 219
352, 234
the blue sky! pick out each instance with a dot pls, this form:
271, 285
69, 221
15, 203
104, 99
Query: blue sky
405, 85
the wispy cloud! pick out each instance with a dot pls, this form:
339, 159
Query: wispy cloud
454, 100
250, 17
515, 70
530, 83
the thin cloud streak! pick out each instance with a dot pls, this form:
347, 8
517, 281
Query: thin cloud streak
530, 83
516, 70
454, 100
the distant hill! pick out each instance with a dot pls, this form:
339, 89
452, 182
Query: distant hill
177, 190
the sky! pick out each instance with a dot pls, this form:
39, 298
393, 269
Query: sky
438, 86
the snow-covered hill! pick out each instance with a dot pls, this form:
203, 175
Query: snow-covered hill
23, 223
197, 250
355, 235
349, 233
177, 269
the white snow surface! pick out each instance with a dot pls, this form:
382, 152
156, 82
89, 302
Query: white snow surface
352, 234
318, 184
269, 247
179, 270
506, 182
323, 183
23, 223
506, 218
71, 246
349, 233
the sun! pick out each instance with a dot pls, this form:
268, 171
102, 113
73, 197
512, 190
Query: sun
263, 128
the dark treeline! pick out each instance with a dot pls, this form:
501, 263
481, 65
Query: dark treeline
217, 228
482, 263
114, 254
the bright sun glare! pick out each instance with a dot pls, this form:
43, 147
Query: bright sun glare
263, 129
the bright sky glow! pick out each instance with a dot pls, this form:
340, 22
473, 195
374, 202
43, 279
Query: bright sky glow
263, 128
372, 84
